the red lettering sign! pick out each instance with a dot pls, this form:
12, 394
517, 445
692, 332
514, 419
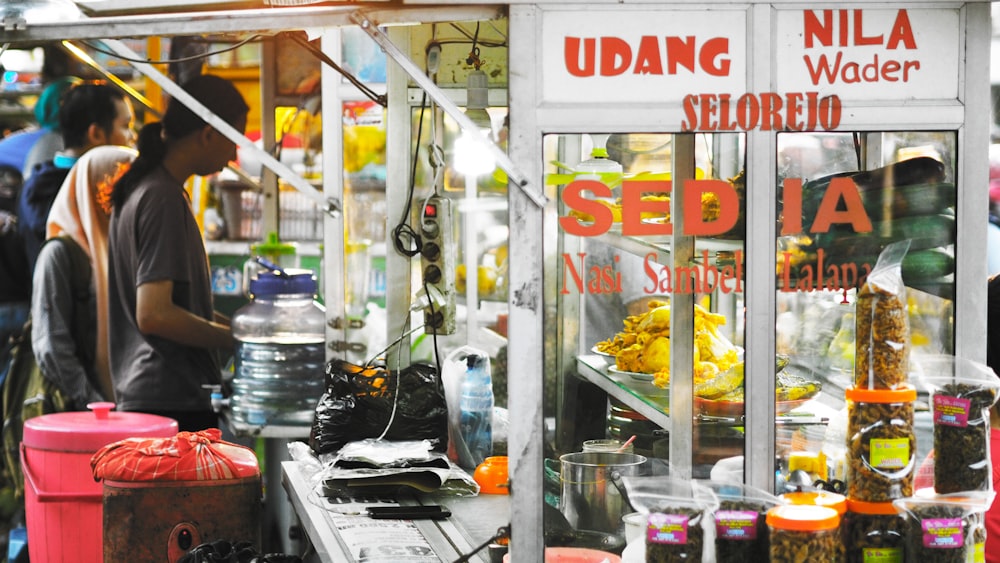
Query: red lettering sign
794, 111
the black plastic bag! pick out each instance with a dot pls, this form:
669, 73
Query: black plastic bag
358, 404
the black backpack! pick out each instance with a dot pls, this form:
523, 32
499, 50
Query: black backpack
27, 393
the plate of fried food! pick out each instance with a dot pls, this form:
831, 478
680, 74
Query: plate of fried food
595, 349
638, 376
643, 345
723, 395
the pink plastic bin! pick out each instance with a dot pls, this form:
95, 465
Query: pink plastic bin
63, 503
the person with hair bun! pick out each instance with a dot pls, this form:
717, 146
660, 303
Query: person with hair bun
163, 332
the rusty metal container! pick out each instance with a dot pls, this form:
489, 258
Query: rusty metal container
160, 521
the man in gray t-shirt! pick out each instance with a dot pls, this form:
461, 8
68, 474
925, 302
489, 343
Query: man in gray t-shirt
152, 373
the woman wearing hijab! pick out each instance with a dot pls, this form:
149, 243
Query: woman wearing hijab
164, 335
69, 331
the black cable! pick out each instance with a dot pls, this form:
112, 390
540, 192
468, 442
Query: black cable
169, 61
404, 228
475, 38
374, 96
492, 44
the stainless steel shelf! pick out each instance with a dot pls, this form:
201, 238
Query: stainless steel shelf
642, 396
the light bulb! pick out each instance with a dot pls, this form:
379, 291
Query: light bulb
472, 155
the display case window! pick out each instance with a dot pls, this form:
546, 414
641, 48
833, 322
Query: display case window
621, 283
865, 263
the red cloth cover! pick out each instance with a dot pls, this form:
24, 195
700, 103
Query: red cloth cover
188, 456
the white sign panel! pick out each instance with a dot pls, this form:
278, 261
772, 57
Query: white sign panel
863, 55
625, 56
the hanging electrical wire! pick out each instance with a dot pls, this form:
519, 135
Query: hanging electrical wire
403, 229
380, 99
95, 47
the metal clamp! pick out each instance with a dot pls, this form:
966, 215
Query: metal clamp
334, 207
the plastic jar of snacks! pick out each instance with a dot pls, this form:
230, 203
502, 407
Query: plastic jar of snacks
872, 531
881, 444
835, 501
802, 532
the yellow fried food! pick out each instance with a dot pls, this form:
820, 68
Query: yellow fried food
656, 355
655, 321
654, 214
710, 206
616, 211
643, 346
721, 384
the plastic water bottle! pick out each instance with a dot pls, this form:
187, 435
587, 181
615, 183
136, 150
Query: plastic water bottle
279, 356
477, 410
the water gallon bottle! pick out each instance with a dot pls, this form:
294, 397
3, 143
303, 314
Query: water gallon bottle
477, 409
280, 356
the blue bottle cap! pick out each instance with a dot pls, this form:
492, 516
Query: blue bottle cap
289, 282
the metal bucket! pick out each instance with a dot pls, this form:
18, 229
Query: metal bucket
591, 499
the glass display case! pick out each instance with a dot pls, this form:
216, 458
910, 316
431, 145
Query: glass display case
650, 286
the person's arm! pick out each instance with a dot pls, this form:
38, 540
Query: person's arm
52, 338
157, 315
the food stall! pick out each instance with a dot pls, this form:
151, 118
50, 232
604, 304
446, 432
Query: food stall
693, 154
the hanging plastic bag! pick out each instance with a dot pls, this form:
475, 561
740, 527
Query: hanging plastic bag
741, 532
945, 528
371, 402
961, 394
883, 330
679, 523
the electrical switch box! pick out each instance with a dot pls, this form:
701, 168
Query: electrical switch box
437, 260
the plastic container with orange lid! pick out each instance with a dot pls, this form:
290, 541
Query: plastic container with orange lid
872, 531
881, 443
827, 499
803, 532
491, 475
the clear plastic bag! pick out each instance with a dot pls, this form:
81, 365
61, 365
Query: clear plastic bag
741, 532
882, 331
945, 528
680, 526
961, 394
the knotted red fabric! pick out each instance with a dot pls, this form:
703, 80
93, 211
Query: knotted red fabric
188, 456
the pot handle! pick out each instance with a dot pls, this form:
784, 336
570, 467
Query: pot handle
48, 496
